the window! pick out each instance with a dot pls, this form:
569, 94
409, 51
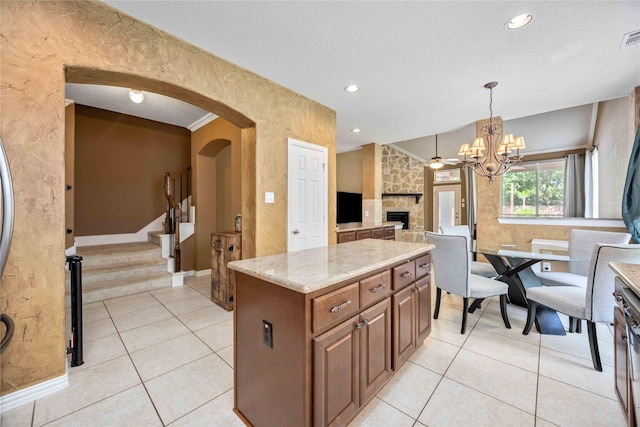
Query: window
534, 189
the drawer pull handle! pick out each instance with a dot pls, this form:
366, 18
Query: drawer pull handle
362, 324
423, 265
378, 288
406, 274
345, 304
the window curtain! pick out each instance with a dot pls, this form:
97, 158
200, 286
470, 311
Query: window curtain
591, 195
631, 194
574, 178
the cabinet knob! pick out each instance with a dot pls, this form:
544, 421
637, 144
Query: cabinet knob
296, 231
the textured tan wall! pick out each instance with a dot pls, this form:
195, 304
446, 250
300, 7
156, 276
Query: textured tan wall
371, 171
121, 161
614, 135
349, 171
206, 144
225, 213
46, 43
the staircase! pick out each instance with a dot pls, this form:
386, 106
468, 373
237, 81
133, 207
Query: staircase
111, 271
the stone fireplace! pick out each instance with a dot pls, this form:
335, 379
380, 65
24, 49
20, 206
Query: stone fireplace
402, 216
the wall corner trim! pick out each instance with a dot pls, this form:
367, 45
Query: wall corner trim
38, 391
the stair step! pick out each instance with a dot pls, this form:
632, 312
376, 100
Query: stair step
118, 253
99, 291
154, 236
134, 268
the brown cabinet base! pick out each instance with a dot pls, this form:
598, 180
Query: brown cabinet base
328, 360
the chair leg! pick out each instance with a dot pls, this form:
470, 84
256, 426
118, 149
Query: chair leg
503, 310
437, 310
465, 306
579, 326
572, 324
531, 316
593, 343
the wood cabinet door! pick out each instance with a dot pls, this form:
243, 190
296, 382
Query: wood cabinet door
621, 360
423, 309
336, 381
375, 349
404, 325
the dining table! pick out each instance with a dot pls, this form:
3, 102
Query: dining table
514, 268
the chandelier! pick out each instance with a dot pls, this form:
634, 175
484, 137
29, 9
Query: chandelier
488, 155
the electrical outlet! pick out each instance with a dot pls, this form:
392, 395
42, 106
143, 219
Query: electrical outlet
546, 266
267, 333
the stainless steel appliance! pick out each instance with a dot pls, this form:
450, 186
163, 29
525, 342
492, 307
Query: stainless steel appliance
631, 309
7, 233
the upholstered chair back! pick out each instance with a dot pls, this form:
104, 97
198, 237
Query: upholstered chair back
457, 230
582, 243
600, 302
451, 262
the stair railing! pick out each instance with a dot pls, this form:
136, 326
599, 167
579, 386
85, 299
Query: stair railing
177, 187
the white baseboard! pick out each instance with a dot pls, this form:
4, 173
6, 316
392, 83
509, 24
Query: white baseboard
29, 394
206, 272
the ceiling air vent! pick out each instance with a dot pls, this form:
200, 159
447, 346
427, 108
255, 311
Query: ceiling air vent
630, 39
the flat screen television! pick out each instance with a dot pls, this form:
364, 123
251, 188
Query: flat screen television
349, 206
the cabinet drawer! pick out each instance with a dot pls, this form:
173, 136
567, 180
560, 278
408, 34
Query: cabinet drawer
348, 236
423, 266
389, 232
335, 305
403, 275
375, 288
378, 233
363, 234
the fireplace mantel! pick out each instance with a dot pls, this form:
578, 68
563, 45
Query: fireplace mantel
416, 195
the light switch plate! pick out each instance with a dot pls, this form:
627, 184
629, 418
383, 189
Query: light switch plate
269, 197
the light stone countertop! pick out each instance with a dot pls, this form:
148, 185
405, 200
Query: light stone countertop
313, 269
355, 226
629, 273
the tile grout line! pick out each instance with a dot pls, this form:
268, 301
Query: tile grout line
178, 367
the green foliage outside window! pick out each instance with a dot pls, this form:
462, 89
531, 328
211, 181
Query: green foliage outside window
534, 189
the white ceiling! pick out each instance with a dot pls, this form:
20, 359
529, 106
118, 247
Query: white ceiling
154, 107
421, 65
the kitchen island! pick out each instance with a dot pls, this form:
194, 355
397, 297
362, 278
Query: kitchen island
317, 333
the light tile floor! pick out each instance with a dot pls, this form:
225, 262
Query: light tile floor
165, 358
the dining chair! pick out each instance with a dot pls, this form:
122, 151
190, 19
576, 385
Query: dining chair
481, 268
593, 303
450, 259
581, 244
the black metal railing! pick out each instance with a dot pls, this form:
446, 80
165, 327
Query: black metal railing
75, 344
177, 190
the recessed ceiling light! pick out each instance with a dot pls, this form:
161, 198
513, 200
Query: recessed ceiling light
355, 130
519, 21
352, 88
136, 96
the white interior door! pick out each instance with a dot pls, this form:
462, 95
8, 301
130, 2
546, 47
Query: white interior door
307, 196
446, 205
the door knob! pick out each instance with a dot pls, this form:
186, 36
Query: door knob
296, 231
